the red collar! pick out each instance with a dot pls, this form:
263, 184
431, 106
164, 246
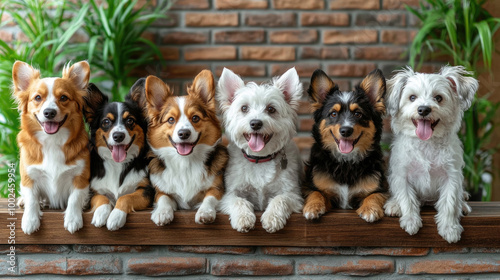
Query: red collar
255, 159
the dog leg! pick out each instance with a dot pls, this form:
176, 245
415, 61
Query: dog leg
315, 205
101, 207
73, 219
206, 213
276, 214
164, 209
31, 216
409, 205
392, 208
241, 213
449, 209
138, 200
371, 208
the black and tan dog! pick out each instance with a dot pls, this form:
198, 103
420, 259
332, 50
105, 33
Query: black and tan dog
346, 168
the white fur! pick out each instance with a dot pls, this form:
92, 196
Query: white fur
116, 219
429, 171
101, 215
261, 186
184, 123
163, 212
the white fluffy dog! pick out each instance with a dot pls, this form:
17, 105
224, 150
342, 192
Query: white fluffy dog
265, 168
427, 156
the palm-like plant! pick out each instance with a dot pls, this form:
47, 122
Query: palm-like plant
463, 30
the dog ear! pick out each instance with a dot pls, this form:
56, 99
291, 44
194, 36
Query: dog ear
78, 73
157, 93
137, 94
23, 76
321, 86
290, 84
395, 87
227, 86
93, 100
204, 87
374, 86
461, 83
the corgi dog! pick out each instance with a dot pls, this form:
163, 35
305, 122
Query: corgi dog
54, 156
119, 162
187, 168
346, 166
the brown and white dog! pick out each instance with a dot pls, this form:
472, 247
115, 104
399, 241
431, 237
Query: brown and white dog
55, 159
184, 133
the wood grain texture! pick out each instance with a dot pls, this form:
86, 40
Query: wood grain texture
336, 228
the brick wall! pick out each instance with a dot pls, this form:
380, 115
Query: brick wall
40, 261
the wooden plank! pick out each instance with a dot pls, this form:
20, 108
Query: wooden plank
337, 228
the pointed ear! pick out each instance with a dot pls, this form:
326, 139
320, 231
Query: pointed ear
227, 86
321, 86
374, 86
23, 75
461, 83
137, 93
78, 73
204, 87
157, 93
290, 84
395, 87
93, 101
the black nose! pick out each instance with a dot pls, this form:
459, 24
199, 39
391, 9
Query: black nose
49, 113
118, 136
256, 124
346, 131
184, 134
424, 110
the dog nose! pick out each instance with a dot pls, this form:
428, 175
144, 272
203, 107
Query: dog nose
424, 110
118, 136
346, 131
256, 124
184, 134
49, 113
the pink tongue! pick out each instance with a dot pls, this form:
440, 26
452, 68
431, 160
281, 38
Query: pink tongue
345, 146
50, 127
119, 154
184, 149
256, 142
424, 130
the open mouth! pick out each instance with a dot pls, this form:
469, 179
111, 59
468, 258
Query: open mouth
51, 127
119, 152
184, 148
425, 127
257, 141
346, 145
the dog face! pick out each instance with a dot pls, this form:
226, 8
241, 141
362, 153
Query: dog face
426, 105
348, 123
118, 129
182, 122
50, 103
260, 119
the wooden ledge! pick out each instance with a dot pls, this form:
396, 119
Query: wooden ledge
338, 229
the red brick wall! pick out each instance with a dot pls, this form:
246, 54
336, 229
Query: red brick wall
266, 262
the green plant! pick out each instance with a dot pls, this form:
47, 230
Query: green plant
115, 44
48, 29
463, 30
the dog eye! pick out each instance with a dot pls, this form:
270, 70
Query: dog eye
63, 98
38, 98
271, 110
438, 98
171, 120
244, 108
333, 114
358, 115
412, 98
130, 121
106, 123
195, 119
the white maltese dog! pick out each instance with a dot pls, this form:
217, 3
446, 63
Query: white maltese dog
265, 168
427, 156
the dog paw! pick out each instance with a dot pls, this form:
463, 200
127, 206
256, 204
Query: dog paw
162, 216
392, 208
411, 224
370, 214
116, 219
101, 215
244, 222
451, 233
466, 208
73, 222
30, 222
314, 210
205, 216
272, 222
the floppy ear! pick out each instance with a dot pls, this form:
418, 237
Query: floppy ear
461, 83
395, 87
78, 73
227, 86
374, 86
204, 87
93, 100
23, 76
290, 84
321, 86
157, 92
